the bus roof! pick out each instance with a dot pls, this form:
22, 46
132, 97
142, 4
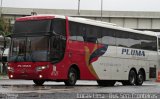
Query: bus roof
86, 21
34, 18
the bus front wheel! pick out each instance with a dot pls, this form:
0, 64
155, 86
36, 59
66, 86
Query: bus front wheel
72, 77
132, 77
39, 82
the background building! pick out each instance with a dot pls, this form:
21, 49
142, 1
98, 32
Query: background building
130, 19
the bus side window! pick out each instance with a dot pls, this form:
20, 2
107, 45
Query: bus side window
122, 39
159, 43
73, 30
153, 43
77, 31
90, 37
108, 37
134, 41
58, 26
149, 43
92, 34
81, 34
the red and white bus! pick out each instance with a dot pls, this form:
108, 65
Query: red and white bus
59, 48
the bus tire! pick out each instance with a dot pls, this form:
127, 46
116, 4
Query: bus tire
132, 77
140, 78
106, 82
72, 77
38, 82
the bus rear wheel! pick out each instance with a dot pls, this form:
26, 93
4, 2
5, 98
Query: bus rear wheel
72, 77
39, 82
105, 83
140, 78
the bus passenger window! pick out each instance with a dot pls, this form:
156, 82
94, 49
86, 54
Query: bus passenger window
122, 39
134, 41
58, 26
159, 43
77, 31
73, 30
92, 33
81, 34
108, 37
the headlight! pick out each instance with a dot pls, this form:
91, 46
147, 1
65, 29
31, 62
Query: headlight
11, 69
40, 68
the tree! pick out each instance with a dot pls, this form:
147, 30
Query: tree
5, 29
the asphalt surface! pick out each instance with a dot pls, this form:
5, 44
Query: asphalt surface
25, 89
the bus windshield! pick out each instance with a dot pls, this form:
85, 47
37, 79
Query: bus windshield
39, 40
29, 49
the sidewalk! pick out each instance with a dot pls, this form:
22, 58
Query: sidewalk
3, 77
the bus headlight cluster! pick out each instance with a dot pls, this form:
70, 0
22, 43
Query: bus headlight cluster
40, 76
40, 68
11, 76
11, 69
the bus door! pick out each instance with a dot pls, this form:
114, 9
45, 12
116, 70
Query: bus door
57, 48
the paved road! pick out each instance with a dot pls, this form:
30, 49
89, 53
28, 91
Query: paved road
24, 89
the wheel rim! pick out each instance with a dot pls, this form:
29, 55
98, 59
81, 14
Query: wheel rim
132, 79
72, 77
140, 78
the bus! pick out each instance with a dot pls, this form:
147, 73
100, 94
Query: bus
67, 49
